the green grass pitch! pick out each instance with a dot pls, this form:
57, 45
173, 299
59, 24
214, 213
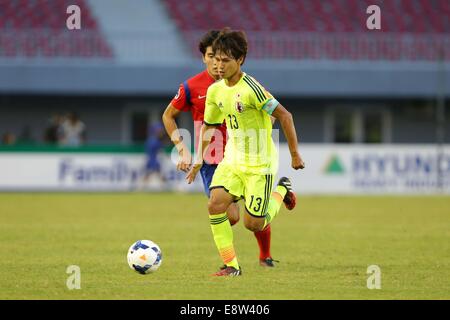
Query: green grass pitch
325, 247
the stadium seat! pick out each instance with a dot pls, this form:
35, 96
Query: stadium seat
35, 28
335, 32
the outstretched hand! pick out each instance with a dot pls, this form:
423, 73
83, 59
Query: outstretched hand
190, 177
184, 161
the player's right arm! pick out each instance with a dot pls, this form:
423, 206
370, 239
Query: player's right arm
173, 110
205, 140
213, 118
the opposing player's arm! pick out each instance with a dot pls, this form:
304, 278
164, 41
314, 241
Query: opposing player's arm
168, 118
178, 104
287, 124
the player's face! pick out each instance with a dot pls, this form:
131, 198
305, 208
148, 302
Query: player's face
208, 60
226, 65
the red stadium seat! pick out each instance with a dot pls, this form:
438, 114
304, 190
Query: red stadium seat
31, 21
266, 19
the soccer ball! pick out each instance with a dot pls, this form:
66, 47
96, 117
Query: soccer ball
144, 256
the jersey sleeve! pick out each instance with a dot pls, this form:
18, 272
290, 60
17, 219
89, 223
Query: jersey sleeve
180, 102
260, 97
213, 114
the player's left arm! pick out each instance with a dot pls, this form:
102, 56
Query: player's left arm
264, 101
287, 124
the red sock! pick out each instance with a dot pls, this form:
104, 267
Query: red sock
263, 238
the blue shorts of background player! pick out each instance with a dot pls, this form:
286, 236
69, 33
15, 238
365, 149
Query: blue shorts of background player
207, 172
152, 165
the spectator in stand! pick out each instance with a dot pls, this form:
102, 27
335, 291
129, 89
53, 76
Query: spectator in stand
8, 139
26, 136
53, 132
73, 131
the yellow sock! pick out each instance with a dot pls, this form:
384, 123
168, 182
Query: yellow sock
223, 237
275, 202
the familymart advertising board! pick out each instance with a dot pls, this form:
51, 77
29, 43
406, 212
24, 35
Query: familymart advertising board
86, 169
335, 169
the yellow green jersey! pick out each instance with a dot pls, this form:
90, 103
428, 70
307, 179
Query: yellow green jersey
246, 108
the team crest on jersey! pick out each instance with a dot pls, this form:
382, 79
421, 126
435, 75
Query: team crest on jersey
239, 107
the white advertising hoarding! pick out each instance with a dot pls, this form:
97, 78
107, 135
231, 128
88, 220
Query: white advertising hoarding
336, 169
369, 169
85, 172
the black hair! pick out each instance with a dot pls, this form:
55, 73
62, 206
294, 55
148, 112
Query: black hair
231, 42
207, 40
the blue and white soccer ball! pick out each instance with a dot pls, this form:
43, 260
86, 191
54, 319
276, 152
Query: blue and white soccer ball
144, 256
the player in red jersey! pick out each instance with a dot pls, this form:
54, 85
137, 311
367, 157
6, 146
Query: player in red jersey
191, 97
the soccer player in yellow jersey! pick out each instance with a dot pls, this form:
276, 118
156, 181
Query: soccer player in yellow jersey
250, 159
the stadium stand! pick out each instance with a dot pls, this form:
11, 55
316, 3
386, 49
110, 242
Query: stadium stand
334, 29
36, 28
139, 31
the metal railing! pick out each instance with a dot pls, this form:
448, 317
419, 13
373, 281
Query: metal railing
343, 46
36, 44
48, 43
